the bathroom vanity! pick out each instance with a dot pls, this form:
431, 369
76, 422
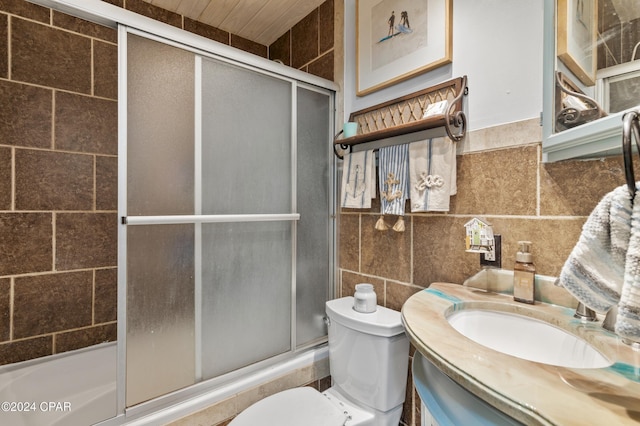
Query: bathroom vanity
535, 391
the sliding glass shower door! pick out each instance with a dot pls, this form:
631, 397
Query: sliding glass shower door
227, 226
246, 169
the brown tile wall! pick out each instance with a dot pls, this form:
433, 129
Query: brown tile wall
309, 45
523, 198
58, 190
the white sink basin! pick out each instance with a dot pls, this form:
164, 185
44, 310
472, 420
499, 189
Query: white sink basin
526, 338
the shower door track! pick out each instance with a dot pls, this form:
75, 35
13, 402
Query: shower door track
219, 218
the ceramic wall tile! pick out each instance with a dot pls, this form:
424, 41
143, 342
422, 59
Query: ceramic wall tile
106, 183
323, 66
26, 243
5, 178
26, 9
552, 238
52, 302
249, 46
349, 252
106, 295
4, 46
105, 70
64, 181
304, 40
87, 28
50, 57
5, 306
207, 31
25, 118
154, 12
86, 124
280, 50
24, 350
85, 240
398, 293
502, 182
78, 339
326, 26
350, 279
439, 250
386, 253
574, 187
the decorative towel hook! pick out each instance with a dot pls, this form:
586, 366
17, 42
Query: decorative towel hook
342, 146
630, 129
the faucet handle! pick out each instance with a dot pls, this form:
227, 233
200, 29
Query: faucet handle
585, 314
609, 322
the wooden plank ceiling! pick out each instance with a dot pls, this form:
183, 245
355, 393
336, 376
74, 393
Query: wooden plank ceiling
262, 21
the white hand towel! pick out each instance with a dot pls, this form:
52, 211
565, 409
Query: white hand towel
595, 269
628, 321
393, 162
358, 180
432, 171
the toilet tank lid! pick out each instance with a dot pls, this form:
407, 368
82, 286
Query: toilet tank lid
383, 322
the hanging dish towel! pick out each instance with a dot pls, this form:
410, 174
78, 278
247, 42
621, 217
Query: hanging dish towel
393, 179
358, 180
595, 269
432, 173
628, 321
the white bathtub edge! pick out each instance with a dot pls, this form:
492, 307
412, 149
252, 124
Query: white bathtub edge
206, 399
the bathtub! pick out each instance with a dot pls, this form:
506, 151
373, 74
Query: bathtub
79, 388
72, 388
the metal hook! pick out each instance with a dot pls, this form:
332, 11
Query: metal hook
630, 124
342, 146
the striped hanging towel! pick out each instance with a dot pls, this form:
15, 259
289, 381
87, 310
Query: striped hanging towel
628, 319
595, 269
393, 178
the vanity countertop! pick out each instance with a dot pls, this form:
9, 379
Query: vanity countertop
531, 392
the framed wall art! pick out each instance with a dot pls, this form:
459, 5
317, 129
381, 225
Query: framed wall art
576, 37
398, 39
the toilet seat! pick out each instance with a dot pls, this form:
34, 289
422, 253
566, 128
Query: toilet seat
293, 407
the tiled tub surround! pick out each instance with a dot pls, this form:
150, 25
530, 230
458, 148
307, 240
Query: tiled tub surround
502, 179
58, 190
531, 392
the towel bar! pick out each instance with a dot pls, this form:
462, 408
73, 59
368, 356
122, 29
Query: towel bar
630, 129
406, 114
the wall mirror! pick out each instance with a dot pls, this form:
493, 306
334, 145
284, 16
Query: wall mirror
591, 75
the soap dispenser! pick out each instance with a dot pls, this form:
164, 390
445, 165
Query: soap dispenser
524, 273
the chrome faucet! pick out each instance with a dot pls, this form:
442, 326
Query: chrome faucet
585, 314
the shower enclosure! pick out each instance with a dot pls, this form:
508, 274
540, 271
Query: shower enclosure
226, 237
225, 229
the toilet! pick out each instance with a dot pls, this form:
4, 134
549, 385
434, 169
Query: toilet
368, 361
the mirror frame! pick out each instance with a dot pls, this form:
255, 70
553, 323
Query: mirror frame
598, 138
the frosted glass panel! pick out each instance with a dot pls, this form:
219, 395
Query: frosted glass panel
246, 294
160, 310
160, 259
313, 229
160, 103
246, 141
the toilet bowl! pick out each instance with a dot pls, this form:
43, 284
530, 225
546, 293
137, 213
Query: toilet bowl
368, 361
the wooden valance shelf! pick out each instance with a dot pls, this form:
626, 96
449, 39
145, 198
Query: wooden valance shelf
405, 115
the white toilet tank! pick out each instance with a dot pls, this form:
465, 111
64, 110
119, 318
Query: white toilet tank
368, 354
